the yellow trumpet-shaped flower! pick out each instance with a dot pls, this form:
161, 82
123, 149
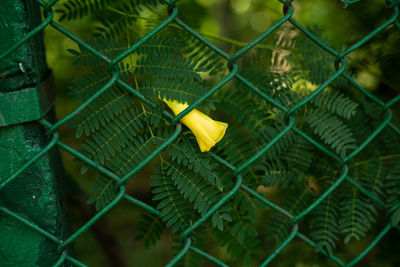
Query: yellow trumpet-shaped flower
207, 131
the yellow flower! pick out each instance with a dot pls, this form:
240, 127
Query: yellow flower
207, 131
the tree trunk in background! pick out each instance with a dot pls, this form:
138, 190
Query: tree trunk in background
225, 21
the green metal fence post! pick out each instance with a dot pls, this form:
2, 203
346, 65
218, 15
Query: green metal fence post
26, 95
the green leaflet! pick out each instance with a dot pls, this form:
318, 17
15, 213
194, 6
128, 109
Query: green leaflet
74, 9
332, 131
150, 229
297, 199
184, 90
274, 172
336, 102
193, 175
392, 186
175, 210
325, 225
102, 111
185, 153
119, 134
357, 214
104, 191
236, 248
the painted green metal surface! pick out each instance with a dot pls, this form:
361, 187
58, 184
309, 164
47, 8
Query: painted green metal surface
33, 195
25, 66
28, 104
13, 235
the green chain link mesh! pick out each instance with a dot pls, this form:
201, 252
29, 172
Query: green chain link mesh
288, 11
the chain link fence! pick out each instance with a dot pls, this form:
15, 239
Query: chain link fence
185, 236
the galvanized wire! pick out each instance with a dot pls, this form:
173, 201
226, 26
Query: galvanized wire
288, 11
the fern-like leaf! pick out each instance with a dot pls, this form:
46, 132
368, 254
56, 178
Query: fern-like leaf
299, 156
107, 141
185, 153
324, 224
198, 191
274, 172
336, 102
207, 60
298, 199
332, 131
175, 210
246, 206
238, 102
112, 47
74, 9
392, 185
357, 214
372, 177
190, 259
85, 86
120, 133
237, 148
168, 66
181, 90
109, 47
128, 158
240, 243
104, 191
284, 143
150, 229
101, 112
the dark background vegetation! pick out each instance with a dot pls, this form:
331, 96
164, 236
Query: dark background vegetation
229, 24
